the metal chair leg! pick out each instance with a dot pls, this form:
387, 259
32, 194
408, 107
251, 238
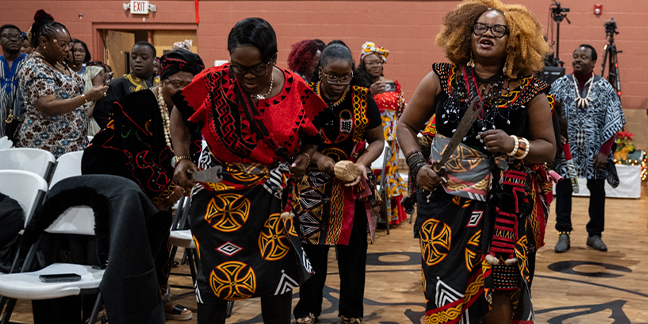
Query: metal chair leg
96, 309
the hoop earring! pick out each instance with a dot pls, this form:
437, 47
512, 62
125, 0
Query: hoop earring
471, 63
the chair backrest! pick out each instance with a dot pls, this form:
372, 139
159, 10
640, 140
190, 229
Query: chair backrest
78, 219
380, 162
26, 187
38, 161
75, 220
68, 165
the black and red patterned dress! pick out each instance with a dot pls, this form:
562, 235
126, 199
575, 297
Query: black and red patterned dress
246, 249
490, 206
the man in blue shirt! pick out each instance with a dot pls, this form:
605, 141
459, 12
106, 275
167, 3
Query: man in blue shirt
10, 63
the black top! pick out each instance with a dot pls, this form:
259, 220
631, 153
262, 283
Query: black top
345, 121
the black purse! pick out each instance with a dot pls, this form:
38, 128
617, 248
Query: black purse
12, 124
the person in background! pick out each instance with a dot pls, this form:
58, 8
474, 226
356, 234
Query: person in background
11, 62
594, 115
55, 117
136, 145
328, 210
391, 102
257, 122
91, 75
26, 45
303, 58
481, 215
141, 77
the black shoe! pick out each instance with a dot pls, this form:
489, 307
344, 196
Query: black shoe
563, 243
596, 243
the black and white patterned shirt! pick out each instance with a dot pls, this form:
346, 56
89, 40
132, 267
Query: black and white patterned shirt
588, 127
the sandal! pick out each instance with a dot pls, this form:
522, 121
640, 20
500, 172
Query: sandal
347, 320
310, 319
177, 313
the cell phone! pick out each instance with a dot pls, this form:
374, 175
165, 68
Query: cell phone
60, 277
108, 77
390, 86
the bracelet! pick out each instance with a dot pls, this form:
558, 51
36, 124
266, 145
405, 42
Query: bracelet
515, 147
414, 157
308, 156
526, 150
521, 148
177, 159
84, 99
416, 168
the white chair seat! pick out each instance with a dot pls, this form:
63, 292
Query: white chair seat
27, 285
182, 238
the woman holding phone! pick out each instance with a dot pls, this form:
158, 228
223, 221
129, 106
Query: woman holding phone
389, 98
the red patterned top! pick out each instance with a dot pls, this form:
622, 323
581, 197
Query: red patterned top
211, 100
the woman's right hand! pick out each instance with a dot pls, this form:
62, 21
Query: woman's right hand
326, 164
96, 93
377, 87
427, 179
182, 174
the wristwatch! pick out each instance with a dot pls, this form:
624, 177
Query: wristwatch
176, 159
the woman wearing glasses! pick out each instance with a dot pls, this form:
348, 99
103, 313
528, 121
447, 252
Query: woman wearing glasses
330, 211
55, 117
391, 102
136, 145
257, 122
481, 217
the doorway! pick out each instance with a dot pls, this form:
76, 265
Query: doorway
118, 44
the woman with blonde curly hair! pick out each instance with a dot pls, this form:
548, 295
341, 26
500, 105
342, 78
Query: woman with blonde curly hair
481, 215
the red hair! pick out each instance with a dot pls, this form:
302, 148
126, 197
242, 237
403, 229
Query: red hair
302, 55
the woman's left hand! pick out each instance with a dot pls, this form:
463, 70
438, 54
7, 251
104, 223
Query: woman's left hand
496, 140
362, 174
298, 167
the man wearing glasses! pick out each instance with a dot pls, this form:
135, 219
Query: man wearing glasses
10, 63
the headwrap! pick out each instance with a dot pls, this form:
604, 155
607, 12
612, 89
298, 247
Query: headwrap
180, 61
369, 48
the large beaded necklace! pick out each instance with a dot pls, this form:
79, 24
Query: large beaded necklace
491, 99
166, 122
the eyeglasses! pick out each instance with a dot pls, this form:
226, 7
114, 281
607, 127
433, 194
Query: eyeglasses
178, 84
373, 63
498, 31
332, 79
257, 70
12, 36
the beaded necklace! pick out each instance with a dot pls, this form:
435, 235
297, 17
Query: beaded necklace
166, 122
331, 103
496, 106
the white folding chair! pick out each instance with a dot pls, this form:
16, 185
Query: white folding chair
67, 165
26, 187
27, 284
35, 160
379, 164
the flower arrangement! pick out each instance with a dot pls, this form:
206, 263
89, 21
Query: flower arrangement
624, 145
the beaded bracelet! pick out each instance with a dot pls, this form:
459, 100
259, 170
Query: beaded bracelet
415, 161
515, 147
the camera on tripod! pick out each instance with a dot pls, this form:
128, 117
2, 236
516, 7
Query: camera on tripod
610, 28
557, 10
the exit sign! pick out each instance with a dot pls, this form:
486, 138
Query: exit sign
139, 7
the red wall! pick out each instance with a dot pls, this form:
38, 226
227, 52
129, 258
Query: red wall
406, 28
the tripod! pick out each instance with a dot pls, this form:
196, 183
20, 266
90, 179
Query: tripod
558, 13
611, 57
